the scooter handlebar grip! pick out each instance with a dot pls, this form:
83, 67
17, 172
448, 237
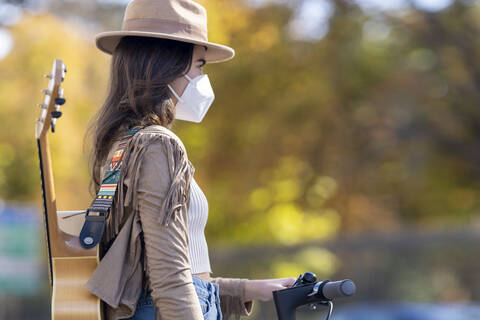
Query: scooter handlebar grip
335, 289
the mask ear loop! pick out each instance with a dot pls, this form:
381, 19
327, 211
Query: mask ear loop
173, 91
176, 95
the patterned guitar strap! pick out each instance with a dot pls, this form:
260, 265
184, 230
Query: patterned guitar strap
97, 214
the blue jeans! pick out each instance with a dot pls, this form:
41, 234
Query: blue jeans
208, 297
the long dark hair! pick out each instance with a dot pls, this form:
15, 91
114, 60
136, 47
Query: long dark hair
141, 68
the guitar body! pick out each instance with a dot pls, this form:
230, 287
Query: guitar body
70, 299
70, 265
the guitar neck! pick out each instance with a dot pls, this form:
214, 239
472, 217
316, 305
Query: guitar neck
49, 199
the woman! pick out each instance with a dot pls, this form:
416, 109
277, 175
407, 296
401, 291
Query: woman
154, 256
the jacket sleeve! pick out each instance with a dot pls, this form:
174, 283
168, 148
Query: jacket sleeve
232, 297
166, 245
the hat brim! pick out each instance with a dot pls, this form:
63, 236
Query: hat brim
107, 42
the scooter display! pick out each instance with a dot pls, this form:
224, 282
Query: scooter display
307, 291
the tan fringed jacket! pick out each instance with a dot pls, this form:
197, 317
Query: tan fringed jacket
145, 243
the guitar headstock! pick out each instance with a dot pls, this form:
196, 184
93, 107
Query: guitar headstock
52, 100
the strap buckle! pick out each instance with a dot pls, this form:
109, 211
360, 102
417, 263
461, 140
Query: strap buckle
97, 212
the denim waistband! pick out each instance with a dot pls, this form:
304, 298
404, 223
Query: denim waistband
202, 284
203, 288
208, 295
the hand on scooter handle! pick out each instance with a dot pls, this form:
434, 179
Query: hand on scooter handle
262, 289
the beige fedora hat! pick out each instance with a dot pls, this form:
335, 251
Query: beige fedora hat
182, 20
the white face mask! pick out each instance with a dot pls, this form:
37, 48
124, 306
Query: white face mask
195, 100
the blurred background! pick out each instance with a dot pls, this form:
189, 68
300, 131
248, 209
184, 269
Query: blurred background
344, 140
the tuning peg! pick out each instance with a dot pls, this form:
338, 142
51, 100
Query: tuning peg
65, 68
49, 76
56, 114
48, 92
52, 126
60, 101
42, 105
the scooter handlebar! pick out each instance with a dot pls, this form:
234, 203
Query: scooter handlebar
336, 289
289, 299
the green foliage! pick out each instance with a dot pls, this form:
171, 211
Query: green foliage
38, 40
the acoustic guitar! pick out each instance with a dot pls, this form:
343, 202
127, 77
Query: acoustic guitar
69, 264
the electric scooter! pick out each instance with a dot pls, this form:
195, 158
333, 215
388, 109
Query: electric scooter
306, 291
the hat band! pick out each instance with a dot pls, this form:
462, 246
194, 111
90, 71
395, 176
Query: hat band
164, 26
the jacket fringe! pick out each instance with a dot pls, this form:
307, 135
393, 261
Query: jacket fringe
181, 176
126, 203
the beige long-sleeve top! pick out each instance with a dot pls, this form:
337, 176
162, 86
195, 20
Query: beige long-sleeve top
146, 241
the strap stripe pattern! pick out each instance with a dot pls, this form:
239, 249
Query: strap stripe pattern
104, 198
